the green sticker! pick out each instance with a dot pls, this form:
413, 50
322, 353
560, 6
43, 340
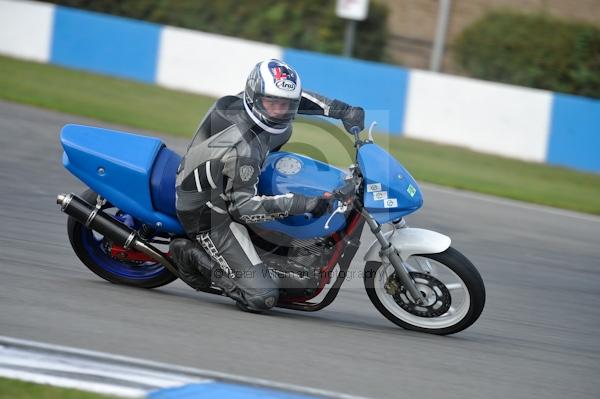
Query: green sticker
411, 190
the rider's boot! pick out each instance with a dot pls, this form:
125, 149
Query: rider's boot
193, 264
252, 293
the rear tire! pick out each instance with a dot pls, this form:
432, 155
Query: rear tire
91, 251
458, 292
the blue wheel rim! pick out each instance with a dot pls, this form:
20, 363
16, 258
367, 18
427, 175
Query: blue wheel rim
95, 249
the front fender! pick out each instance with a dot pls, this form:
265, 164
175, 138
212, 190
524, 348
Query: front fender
409, 241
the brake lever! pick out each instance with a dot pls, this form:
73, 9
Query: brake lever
340, 209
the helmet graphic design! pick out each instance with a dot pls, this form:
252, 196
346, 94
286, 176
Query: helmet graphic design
272, 95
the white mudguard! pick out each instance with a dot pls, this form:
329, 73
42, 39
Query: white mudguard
409, 241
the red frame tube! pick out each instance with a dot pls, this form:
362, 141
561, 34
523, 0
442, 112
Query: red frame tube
339, 250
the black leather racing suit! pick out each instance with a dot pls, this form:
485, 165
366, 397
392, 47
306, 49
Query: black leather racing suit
217, 192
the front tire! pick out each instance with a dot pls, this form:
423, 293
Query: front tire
91, 249
452, 285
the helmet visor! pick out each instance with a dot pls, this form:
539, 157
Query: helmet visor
277, 109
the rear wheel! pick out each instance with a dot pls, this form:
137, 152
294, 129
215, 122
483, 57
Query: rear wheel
93, 250
453, 291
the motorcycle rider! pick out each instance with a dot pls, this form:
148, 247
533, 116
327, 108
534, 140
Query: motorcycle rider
217, 181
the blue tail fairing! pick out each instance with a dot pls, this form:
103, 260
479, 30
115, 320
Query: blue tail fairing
118, 166
390, 191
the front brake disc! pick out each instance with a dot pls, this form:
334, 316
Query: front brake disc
437, 298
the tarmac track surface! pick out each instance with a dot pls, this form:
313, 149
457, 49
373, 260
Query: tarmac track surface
537, 338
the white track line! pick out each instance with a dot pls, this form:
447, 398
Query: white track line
166, 370
69, 365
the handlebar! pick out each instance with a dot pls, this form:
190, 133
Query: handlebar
344, 191
355, 130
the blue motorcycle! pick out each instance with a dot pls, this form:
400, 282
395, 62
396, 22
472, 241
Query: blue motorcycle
122, 226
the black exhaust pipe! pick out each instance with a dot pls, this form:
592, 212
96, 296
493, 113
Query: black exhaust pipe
93, 218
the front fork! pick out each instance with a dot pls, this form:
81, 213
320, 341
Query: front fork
388, 251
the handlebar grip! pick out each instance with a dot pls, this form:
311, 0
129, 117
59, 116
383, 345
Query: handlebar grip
344, 191
339, 195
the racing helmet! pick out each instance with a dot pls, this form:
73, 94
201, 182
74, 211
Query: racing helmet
272, 95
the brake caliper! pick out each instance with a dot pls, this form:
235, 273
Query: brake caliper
392, 285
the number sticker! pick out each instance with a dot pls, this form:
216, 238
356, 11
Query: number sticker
391, 203
380, 195
373, 187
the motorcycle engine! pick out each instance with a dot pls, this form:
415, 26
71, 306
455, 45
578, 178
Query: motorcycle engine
296, 264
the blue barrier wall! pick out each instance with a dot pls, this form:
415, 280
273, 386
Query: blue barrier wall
565, 128
380, 89
106, 44
575, 133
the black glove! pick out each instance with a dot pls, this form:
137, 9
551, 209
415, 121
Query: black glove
317, 206
350, 116
355, 117
345, 191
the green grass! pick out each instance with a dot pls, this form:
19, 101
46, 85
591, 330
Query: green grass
152, 108
525, 181
100, 97
14, 389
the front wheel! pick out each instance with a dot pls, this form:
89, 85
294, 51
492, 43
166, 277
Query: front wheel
453, 292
